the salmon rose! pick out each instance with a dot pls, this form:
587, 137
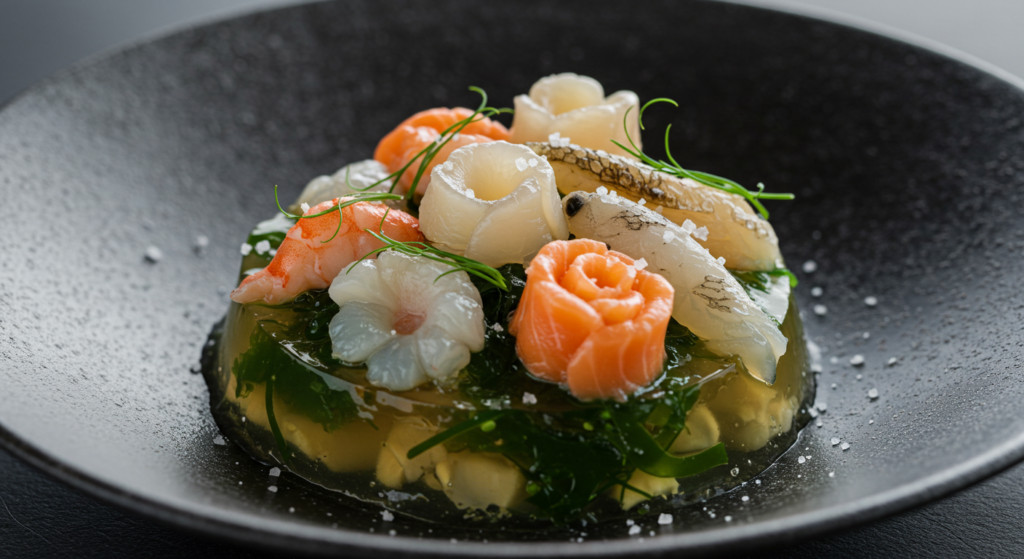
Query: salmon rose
590, 318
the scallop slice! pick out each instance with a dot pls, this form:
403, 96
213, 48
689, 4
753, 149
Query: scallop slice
576, 108
494, 202
708, 299
360, 176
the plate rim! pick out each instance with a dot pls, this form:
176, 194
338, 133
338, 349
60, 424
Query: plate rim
315, 540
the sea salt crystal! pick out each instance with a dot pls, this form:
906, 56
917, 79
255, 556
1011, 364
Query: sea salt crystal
701, 233
659, 210
816, 291
866, 335
246, 249
801, 460
497, 327
664, 519
735, 472
533, 162
689, 226
387, 516
845, 446
857, 360
641, 201
305, 208
873, 393
891, 362
634, 530
602, 190
757, 481
831, 474
640, 264
291, 509
860, 377
219, 440
529, 398
275, 472
819, 424
669, 236
720, 260
745, 498
272, 489
810, 266
834, 441
273, 252
554, 138
521, 164
612, 193
630, 522
871, 300
470, 194
820, 310
154, 254
263, 247
202, 241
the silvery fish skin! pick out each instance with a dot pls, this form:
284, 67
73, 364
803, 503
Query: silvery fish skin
735, 231
708, 299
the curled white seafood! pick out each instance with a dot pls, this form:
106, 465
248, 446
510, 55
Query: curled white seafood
708, 299
494, 202
350, 179
407, 327
576, 109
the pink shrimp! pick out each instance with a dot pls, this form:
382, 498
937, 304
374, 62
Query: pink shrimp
304, 261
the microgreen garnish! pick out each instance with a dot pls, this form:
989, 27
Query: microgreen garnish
355, 198
673, 168
417, 248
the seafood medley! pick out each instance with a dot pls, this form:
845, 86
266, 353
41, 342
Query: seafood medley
537, 323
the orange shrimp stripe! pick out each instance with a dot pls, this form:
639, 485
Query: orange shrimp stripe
588, 318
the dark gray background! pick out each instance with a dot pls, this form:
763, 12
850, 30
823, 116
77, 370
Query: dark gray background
39, 517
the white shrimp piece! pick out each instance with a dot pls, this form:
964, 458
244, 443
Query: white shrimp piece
407, 327
575, 108
708, 300
360, 175
494, 202
735, 231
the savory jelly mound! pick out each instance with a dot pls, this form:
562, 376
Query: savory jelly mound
496, 443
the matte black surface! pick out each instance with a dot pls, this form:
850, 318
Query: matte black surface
162, 137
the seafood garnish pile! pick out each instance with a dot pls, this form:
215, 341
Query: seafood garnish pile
537, 322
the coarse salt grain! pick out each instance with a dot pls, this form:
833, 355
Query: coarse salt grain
641, 201
154, 254
820, 310
554, 137
831, 474
857, 360
834, 441
664, 519
689, 226
263, 247
275, 472
845, 446
521, 164
892, 361
720, 260
701, 233
305, 208
745, 498
602, 190
634, 530
387, 516
272, 489
873, 393
810, 266
801, 460
246, 249
640, 264
529, 398
497, 327
816, 291
219, 441
202, 241
669, 236
728, 518
871, 301
533, 162
470, 194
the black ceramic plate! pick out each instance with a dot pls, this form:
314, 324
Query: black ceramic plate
906, 165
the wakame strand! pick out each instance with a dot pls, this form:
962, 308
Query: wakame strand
672, 167
477, 421
282, 446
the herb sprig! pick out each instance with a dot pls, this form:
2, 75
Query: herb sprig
673, 168
418, 248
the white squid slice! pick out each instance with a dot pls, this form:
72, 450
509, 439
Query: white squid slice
735, 231
494, 202
360, 176
575, 108
708, 300
407, 327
